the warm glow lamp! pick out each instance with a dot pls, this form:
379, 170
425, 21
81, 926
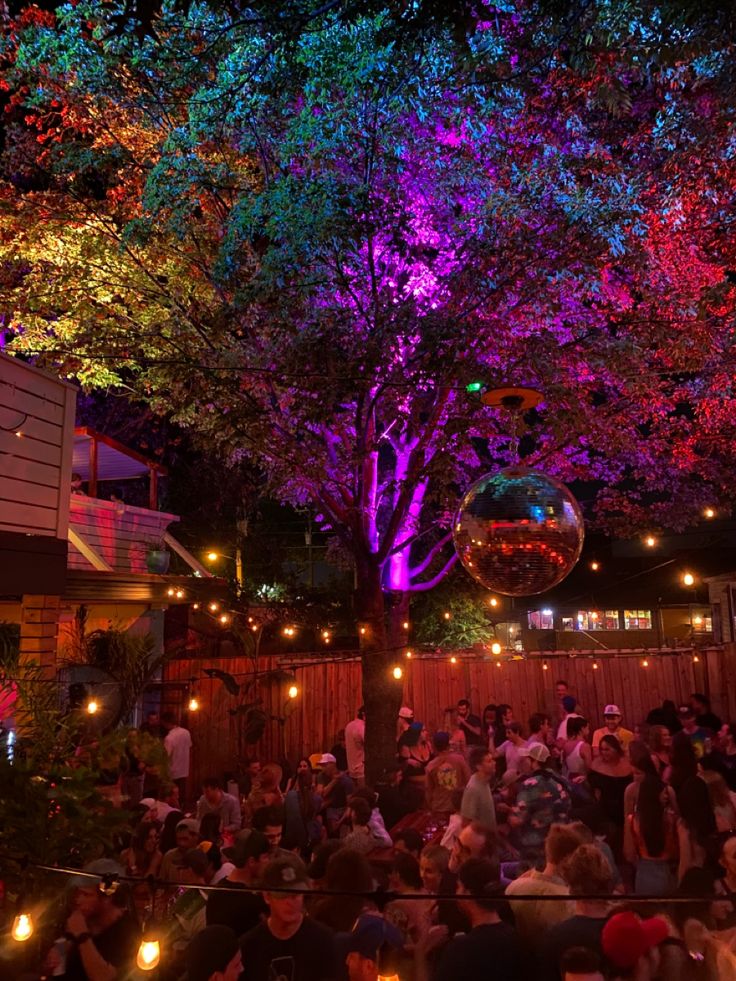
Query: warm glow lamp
22, 927
212, 556
293, 691
495, 647
398, 673
92, 706
194, 704
650, 541
149, 954
688, 579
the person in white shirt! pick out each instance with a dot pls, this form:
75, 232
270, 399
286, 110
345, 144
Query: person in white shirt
355, 746
178, 745
569, 705
511, 749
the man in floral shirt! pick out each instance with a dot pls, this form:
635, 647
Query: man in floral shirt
543, 799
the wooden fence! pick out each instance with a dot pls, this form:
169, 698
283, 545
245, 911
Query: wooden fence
329, 694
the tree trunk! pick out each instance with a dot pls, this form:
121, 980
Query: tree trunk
381, 691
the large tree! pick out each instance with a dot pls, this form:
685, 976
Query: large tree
305, 247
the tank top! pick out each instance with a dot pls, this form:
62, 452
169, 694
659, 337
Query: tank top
574, 762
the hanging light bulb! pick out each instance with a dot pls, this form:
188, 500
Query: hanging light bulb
170, 591
179, 594
447, 615
688, 579
92, 706
408, 653
545, 666
362, 631
213, 607
293, 691
398, 673
254, 627
645, 663
498, 664
595, 665
149, 954
696, 659
22, 927
496, 647
224, 619
493, 601
453, 659
193, 704
595, 566
650, 541
212, 556
195, 606
709, 513
405, 625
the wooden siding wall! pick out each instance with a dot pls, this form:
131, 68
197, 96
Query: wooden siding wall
115, 532
35, 466
330, 694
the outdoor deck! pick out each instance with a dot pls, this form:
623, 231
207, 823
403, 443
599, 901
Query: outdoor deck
112, 537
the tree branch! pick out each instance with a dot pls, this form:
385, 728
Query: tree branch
423, 587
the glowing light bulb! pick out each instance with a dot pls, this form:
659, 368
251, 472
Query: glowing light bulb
213, 607
293, 691
453, 659
180, 594
22, 927
195, 606
170, 591
595, 665
645, 663
709, 513
447, 615
212, 556
493, 601
149, 954
697, 621
362, 631
688, 579
650, 541
193, 704
545, 666
408, 653
405, 625
595, 566
498, 664
398, 673
92, 706
254, 627
495, 648
224, 618
696, 659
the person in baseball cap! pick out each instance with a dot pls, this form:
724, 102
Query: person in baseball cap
214, 955
612, 718
537, 752
288, 935
627, 939
367, 944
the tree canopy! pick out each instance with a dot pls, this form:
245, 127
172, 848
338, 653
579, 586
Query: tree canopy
304, 245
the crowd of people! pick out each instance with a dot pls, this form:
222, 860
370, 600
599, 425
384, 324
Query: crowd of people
496, 849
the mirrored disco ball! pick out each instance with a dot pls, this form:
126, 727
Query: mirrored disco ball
518, 532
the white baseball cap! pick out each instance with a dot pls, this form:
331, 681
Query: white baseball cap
405, 712
612, 710
326, 758
537, 751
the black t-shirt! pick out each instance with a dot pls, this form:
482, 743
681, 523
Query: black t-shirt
307, 956
471, 739
577, 931
709, 720
492, 950
118, 945
240, 913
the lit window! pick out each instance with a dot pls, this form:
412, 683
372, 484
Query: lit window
611, 620
541, 620
702, 623
568, 623
596, 620
637, 619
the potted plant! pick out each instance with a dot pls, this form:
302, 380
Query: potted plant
157, 555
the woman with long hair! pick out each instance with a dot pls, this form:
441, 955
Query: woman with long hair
721, 801
698, 824
650, 838
609, 776
143, 856
660, 747
504, 715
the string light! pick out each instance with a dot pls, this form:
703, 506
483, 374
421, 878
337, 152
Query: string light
179, 594
326, 636
453, 659
447, 615
696, 659
545, 666
498, 664
709, 513
149, 955
254, 627
193, 704
250, 619
224, 618
288, 631
405, 624
595, 665
398, 673
650, 541
195, 606
408, 654
212, 556
595, 566
645, 663
293, 691
688, 579
170, 591
493, 601
213, 607
362, 631
495, 648
92, 706
22, 929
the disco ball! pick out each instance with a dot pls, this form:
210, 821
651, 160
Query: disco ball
518, 532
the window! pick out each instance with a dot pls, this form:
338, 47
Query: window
702, 623
568, 623
541, 620
637, 619
596, 620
